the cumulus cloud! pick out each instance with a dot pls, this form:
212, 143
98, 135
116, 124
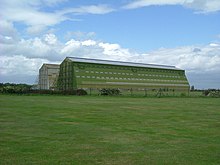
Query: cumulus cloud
8, 33
51, 39
70, 47
7, 28
205, 60
115, 51
19, 64
46, 47
201, 6
89, 43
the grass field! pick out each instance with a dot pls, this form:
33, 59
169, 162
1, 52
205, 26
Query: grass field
109, 130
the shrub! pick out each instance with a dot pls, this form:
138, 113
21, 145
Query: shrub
212, 93
182, 95
68, 92
110, 91
14, 88
206, 92
81, 92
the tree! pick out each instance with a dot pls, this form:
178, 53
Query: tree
192, 88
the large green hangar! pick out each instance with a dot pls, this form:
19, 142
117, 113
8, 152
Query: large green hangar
93, 73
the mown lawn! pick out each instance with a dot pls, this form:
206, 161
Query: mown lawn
109, 130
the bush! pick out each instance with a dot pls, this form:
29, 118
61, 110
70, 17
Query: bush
206, 92
68, 92
14, 88
212, 93
26, 89
81, 92
78, 92
110, 91
182, 95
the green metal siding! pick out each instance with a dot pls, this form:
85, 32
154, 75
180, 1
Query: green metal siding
86, 75
66, 80
89, 75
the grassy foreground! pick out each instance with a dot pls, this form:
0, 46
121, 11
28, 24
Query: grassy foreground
109, 130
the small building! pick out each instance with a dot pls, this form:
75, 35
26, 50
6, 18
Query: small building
48, 75
94, 73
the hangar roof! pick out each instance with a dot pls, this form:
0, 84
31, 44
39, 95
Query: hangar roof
121, 63
51, 66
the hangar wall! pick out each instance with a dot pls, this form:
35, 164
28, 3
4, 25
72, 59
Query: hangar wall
93, 73
48, 75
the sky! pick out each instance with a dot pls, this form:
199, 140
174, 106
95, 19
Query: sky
183, 33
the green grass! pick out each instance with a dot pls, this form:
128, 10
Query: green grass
109, 130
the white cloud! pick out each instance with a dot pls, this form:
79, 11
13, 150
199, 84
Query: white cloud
143, 3
7, 28
214, 44
201, 6
115, 51
204, 6
70, 46
193, 58
36, 29
91, 9
50, 38
46, 48
31, 14
20, 65
79, 35
24, 11
8, 34
89, 43
205, 60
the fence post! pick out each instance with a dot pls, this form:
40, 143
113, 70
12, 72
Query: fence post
145, 92
131, 92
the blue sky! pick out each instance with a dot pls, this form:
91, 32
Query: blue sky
184, 33
150, 28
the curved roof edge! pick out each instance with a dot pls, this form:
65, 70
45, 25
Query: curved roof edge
121, 63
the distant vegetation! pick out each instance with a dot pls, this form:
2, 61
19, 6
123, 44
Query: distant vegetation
212, 93
207, 92
14, 88
11, 88
110, 92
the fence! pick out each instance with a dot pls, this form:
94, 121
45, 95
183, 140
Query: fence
140, 92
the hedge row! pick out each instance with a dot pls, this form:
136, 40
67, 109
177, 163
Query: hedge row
78, 92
